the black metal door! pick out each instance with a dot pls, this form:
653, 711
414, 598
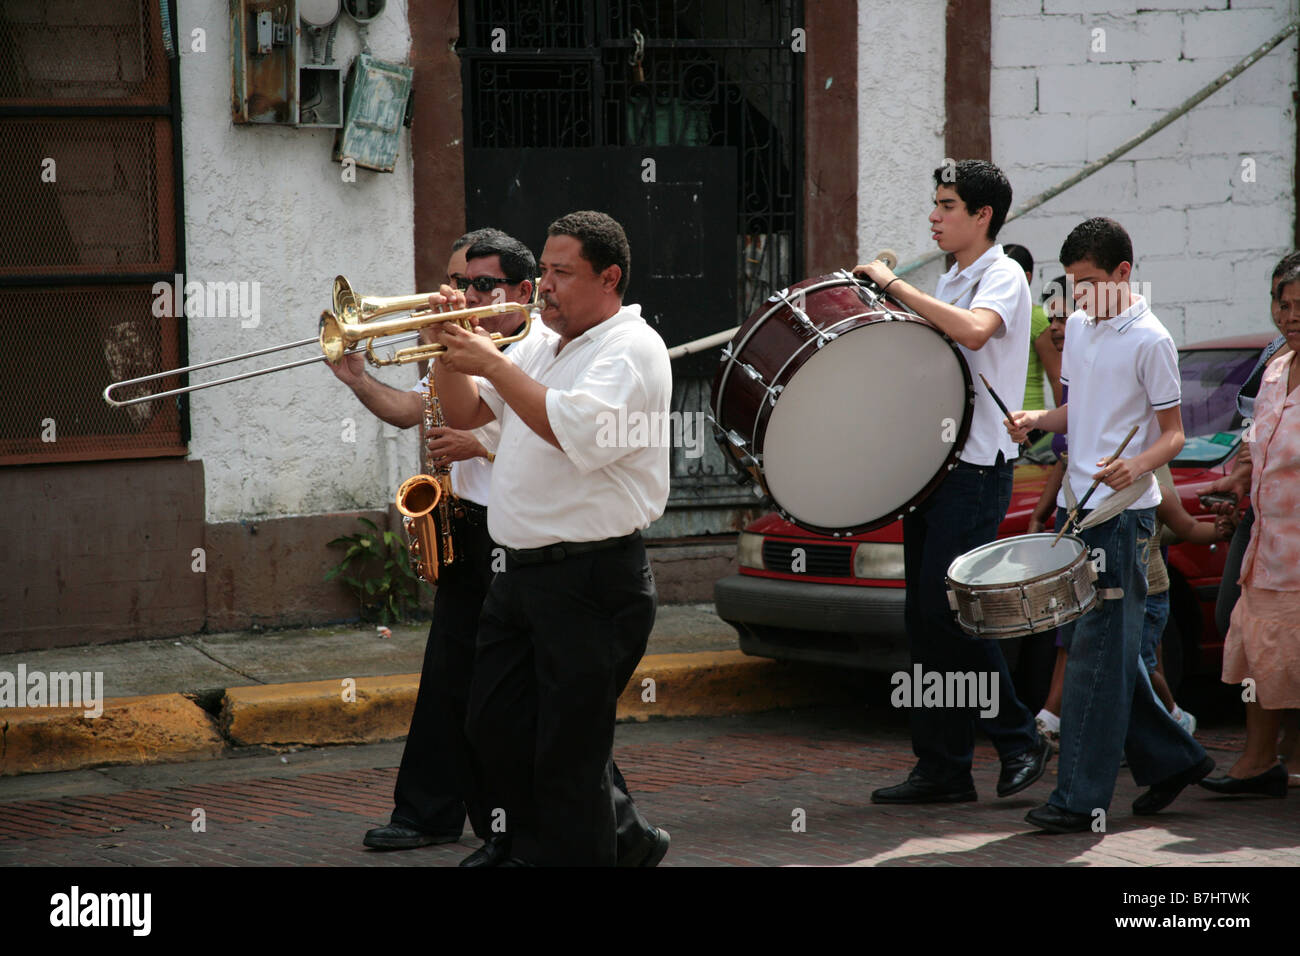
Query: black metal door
681, 119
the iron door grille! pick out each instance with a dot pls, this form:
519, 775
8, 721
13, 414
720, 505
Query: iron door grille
89, 118
560, 74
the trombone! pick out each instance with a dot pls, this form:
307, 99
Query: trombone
353, 320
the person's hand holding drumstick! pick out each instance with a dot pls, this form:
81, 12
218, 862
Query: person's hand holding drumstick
1118, 473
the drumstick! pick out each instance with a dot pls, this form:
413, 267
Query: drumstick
1074, 513
1001, 404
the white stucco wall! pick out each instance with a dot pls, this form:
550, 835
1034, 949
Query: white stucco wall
266, 204
1204, 239
900, 127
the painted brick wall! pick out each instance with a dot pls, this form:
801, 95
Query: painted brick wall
1072, 79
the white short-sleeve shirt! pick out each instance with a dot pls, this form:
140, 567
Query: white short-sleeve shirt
994, 281
607, 400
471, 478
1121, 371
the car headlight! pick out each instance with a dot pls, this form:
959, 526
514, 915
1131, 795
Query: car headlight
879, 561
749, 550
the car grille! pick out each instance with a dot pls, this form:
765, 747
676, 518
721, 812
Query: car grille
822, 560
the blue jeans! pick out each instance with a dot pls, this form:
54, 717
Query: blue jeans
1108, 708
1154, 618
963, 513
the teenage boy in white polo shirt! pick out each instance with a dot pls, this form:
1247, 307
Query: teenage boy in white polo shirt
983, 304
1122, 369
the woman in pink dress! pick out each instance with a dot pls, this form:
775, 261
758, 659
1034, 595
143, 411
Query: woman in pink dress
1263, 642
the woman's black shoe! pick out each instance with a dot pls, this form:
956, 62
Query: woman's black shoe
1271, 783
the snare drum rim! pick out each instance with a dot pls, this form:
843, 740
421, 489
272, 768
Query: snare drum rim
1011, 585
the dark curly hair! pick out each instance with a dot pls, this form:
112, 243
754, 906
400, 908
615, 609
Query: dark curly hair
604, 243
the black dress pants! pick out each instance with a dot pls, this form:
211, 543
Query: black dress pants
557, 643
436, 782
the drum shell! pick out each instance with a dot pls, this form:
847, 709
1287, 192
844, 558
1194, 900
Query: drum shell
779, 347
1038, 603
776, 345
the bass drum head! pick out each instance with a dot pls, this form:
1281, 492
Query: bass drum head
865, 427
1015, 560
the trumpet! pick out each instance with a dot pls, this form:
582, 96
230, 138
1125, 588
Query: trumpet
351, 322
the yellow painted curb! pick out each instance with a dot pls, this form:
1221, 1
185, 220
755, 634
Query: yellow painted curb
159, 728
165, 728
717, 683
344, 711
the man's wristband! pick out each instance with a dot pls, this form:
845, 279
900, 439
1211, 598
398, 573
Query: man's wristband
889, 283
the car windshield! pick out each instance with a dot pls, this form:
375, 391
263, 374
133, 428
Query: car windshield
1211, 423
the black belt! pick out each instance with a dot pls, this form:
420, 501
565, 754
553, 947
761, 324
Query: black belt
568, 549
471, 512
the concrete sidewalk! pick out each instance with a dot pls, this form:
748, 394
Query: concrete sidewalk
208, 695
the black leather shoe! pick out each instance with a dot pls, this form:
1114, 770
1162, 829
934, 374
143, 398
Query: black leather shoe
1161, 794
494, 852
1024, 769
1271, 783
919, 790
1055, 820
649, 851
398, 837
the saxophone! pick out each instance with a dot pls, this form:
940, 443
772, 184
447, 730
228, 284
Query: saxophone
426, 503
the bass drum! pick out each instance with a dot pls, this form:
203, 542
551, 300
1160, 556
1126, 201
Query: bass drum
844, 405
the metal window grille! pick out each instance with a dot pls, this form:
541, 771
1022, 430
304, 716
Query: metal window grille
89, 119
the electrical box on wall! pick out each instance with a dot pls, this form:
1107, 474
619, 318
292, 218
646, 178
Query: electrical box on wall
374, 110
320, 96
264, 61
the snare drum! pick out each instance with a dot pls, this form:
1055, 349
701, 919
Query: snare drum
1022, 585
845, 406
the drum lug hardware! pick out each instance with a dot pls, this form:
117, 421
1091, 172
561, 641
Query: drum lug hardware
752, 372
773, 392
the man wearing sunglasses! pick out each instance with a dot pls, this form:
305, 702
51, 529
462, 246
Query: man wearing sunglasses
435, 779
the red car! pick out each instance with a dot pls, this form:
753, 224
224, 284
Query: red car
846, 607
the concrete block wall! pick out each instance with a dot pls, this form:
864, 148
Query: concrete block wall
1073, 79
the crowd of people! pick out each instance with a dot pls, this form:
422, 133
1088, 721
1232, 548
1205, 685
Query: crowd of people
525, 661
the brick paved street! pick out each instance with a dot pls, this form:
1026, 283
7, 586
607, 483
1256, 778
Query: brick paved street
727, 789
